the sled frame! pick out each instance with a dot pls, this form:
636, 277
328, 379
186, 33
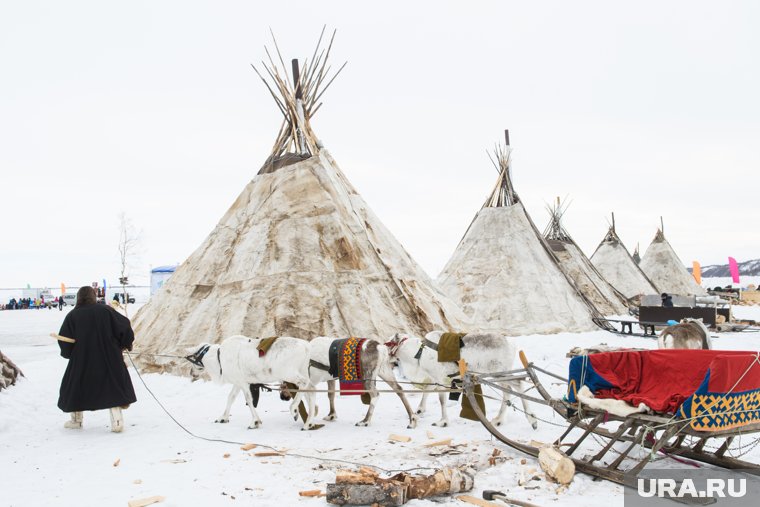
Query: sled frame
655, 434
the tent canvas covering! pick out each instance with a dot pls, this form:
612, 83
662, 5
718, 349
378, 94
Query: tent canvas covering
616, 265
504, 275
299, 253
665, 269
579, 268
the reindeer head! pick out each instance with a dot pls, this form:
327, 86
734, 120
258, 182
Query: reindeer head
393, 345
195, 356
287, 391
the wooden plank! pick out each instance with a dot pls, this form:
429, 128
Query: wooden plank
311, 492
478, 501
445, 441
142, 502
399, 438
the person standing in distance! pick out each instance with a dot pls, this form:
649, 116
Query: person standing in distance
96, 377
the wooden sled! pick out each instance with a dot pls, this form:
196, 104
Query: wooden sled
617, 437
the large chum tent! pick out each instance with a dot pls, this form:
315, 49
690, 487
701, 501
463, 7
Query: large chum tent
298, 254
664, 268
577, 266
504, 275
616, 265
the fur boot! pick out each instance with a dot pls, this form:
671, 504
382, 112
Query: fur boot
117, 420
75, 423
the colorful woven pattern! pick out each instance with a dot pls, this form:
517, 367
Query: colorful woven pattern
728, 397
350, 374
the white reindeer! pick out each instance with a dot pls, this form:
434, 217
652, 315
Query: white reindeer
236, 361
375, 362
483, 353
688, 334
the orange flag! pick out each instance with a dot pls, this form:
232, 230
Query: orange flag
63, 289
696, 272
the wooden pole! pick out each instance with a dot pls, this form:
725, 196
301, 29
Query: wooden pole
62, 338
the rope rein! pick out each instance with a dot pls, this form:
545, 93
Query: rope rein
265, 446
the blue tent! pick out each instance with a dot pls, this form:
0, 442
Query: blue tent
159, 276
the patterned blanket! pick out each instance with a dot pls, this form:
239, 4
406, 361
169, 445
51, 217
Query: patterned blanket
345, 364
716, 389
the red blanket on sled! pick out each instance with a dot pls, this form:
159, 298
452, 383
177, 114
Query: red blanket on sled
663, 379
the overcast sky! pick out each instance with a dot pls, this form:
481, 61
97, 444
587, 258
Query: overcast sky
150, 108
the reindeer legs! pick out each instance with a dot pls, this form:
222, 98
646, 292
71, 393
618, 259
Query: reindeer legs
331, 396
389, 379
255, 420
442, 398
230, 399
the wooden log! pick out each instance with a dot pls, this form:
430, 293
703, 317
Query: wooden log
387, 494
556, 464
349, 477
443, 482
142, 502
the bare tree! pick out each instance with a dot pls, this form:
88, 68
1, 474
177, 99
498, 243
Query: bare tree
129, 241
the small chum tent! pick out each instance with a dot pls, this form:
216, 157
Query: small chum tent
665, 269
616, 265
577, 266
505, 276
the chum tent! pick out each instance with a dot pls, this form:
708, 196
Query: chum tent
503, 273
299, 253
577, 266
616, 265
665, 269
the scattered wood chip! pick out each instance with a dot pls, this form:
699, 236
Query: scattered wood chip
399, 438
116, 463
248, 447
478, 501
523, 461
368, 471
430, 434
137, 481
142, 502
226, 455
267, 454
445, 441
311, 492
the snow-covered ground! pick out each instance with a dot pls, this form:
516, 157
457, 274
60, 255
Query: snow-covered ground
44, 464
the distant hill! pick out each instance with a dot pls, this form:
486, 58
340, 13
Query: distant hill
747, 268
